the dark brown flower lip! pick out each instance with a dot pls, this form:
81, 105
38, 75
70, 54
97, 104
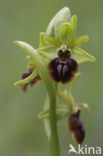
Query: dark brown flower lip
62, 70
25, 75
76, 127
36, 80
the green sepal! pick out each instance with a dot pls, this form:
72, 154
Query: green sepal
31, 65
48, 56
81, 56
48, 53
66, 33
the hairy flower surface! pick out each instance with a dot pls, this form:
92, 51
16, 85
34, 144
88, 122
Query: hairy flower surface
37, 79
63, 68
76, 127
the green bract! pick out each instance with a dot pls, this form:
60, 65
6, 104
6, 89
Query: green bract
63, 16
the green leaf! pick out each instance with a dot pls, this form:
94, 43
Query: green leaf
73, 23
28, 79
63, 16
81, 56
78, 41
66, 33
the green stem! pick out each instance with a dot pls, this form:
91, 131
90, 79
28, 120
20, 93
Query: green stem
53, 126
51, 92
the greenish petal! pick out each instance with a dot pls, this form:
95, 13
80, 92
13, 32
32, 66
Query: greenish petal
66, 33
82, 56
73, 23
78, 41
53, 41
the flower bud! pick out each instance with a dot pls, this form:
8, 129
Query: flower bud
63, 16
36, 80
76, 127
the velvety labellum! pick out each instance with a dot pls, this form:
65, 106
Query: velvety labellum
37, 79
62, 69
76, 127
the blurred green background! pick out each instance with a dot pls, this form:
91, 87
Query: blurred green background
21, 133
